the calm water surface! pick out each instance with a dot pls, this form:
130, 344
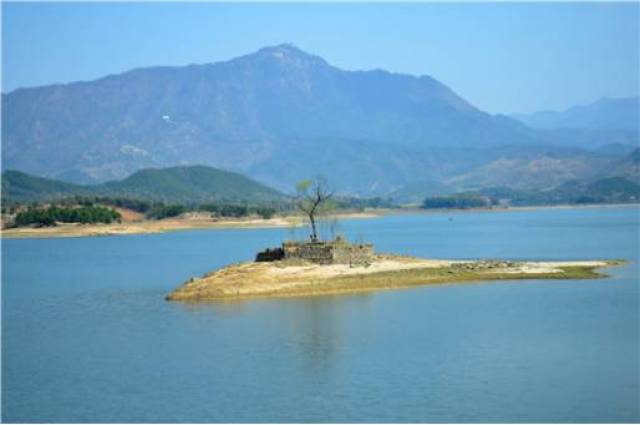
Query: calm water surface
87, 336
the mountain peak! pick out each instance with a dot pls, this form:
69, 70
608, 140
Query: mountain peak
283, 49
286, 53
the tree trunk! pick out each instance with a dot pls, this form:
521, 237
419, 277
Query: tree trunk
314, 236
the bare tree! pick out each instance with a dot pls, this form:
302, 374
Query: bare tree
312, 199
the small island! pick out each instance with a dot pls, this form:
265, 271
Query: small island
337, 266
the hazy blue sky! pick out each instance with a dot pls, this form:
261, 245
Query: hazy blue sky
501, 57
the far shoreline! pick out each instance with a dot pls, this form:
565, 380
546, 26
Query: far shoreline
417, 210
183, 224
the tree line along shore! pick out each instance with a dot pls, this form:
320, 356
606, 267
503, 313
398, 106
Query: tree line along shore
73, 217
175, 192
107, 210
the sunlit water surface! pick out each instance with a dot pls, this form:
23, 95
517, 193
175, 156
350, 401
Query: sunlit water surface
88, 337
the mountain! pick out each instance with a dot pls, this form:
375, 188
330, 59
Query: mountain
627, 167
278, 115
604, 190
619, 114
540, 171
250, 114
615, 149
21, 187
416, 191
183, 184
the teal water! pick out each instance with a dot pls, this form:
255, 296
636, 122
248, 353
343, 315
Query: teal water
87, 336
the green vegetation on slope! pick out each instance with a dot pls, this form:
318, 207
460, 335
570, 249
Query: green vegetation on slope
156, 193
186, 185
22, 187
192, 184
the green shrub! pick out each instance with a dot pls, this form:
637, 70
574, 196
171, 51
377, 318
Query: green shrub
165, 211
265, 212
49, 216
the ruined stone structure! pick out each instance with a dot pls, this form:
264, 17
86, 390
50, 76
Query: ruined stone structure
330, 252
270, 254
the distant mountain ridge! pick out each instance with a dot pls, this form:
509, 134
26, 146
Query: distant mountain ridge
540, 171
183, 184
277, 115
616, 114
244, 114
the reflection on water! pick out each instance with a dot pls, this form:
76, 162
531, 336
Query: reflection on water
318, 325
312, 328
88, 337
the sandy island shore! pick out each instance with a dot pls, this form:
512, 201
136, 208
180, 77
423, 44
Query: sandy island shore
283, 279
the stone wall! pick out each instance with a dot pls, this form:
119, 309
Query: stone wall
334, 252
357, 254
330, 252
316, 252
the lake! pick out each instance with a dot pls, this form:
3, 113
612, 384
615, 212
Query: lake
88, 337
